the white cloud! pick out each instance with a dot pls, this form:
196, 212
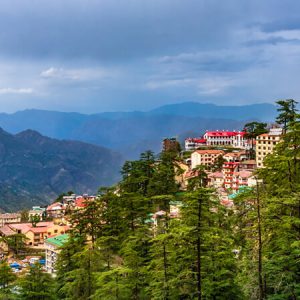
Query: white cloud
83, 74
16, 91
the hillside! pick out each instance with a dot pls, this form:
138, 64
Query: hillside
133, 132
34, 169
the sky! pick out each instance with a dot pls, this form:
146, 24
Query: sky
121, 55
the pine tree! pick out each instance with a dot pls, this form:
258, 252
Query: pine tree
36, 285
7, 277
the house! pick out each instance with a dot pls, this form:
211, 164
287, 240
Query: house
52, 249
205, 157
265, 144
249, 165
240, 179
9, 218
56, 210
235, 156
37, 211
216, 179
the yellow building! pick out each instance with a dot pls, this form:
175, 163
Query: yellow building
265, 144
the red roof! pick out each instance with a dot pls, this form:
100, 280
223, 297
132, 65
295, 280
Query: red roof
224, 133
80, 202
196, 140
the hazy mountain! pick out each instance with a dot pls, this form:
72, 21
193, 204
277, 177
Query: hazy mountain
133, 132
34, 169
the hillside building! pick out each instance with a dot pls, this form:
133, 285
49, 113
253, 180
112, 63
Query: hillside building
205, 157
52, 249
265, 144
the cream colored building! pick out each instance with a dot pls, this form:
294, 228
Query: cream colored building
205, 157
265, 144
9, 218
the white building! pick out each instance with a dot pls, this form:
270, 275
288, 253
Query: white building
235, 139
52, 249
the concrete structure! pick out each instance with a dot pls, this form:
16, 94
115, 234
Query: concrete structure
9, 218
205, 157
265, 144
52, 249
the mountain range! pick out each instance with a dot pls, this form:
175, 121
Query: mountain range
131, 133
34, 169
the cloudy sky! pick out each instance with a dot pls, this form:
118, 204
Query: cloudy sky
107, 55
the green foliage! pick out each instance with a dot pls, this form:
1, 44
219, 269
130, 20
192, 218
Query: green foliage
36, 285
7, 277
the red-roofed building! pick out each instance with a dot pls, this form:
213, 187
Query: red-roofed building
194, 143
226, 138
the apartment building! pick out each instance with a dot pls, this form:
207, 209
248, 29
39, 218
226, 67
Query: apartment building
52, 249
265, 144
205, 157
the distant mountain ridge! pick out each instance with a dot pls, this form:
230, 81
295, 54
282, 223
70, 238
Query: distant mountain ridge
34, 169
133, 132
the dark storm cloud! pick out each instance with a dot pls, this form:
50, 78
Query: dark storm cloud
136, 54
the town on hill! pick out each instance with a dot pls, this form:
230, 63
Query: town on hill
218, 219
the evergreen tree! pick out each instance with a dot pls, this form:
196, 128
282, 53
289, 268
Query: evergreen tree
7, 277
287, 112
36, 285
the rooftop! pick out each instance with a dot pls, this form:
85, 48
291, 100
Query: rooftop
58, 240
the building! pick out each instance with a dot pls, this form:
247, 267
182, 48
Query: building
240, 179
235, 156
265, 144
8, 218
205, 157
52, 249
37, 211
56, 210
216, 180
171, 144
228, 169
194, 143
35, 234
234, 139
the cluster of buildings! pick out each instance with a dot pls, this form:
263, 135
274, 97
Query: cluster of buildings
46, 228
235, 169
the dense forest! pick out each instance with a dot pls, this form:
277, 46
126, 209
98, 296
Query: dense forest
249, 251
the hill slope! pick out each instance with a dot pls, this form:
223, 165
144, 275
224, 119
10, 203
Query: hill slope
34, 169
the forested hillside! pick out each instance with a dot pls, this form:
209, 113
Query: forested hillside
35, 169
207, 251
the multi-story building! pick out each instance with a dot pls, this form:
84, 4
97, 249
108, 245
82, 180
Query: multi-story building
205, 157
194, 143
35, 233
235, 139
52, 249
265, 144
228, 169
9, 218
